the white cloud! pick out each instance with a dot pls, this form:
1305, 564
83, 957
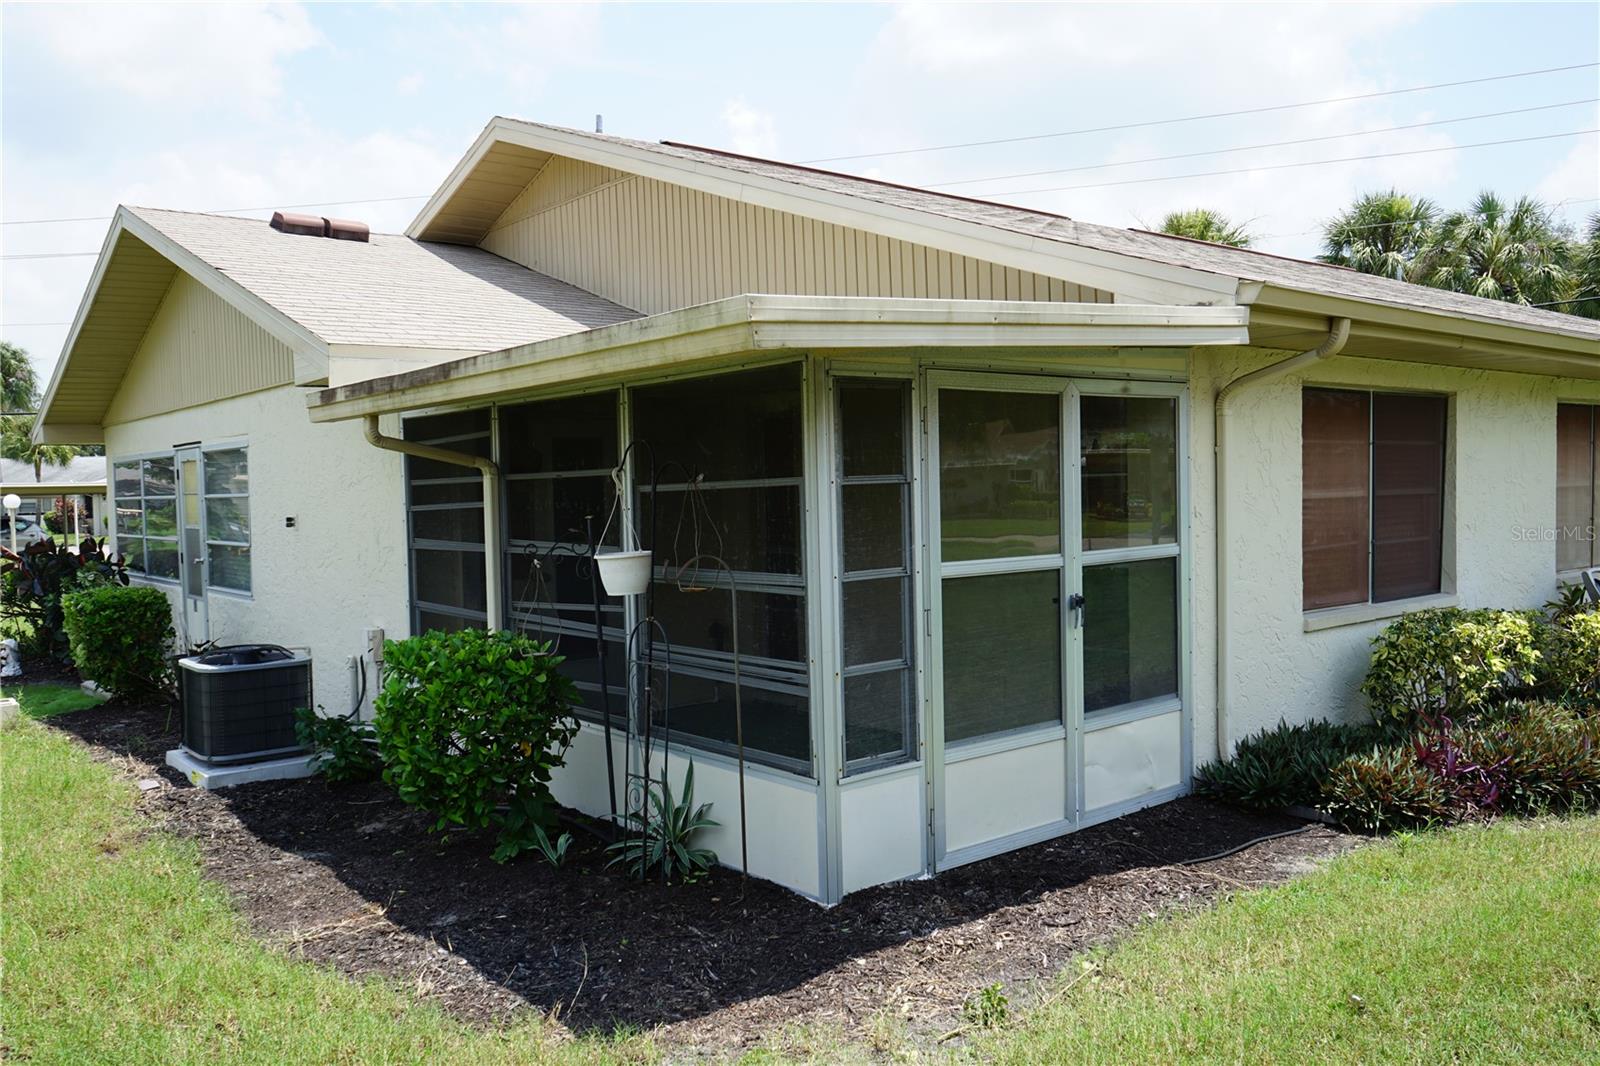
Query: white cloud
408, 85
751, 132
194, 55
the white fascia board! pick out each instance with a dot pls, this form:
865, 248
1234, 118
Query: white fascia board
1142, 279
349, 363
480, 147
308, 348
741, 325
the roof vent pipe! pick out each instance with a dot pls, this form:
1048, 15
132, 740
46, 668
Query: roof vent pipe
494, 597
1332, 345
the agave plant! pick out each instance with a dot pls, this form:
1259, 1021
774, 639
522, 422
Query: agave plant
659, 839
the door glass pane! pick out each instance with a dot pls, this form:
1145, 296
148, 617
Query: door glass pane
875, 719
1130, 471
1130, 641
999, 474
874, 527
1002, 653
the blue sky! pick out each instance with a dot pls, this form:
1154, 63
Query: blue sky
208, 107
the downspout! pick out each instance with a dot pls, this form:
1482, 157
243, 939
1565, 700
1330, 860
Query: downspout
494, 595
1331, 346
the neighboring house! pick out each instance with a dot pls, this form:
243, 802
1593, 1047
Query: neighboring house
83, 478
1029, 517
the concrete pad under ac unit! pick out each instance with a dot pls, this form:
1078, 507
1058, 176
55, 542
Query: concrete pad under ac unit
205, 775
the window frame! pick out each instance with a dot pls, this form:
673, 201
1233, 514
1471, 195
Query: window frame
1371, 606
205, 516
140, 458
1593, 408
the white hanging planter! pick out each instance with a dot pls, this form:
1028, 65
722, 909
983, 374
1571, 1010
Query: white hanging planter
624, 573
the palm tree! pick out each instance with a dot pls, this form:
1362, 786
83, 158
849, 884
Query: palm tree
1585, 296
1381, 233
16, 442
1204, 224
1514, 253
19, 389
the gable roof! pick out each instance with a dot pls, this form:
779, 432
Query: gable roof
510, 149
314, 294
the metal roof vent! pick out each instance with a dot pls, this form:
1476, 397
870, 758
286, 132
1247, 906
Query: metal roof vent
339, 229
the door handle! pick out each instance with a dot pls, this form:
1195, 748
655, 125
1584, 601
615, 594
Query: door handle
1075, 604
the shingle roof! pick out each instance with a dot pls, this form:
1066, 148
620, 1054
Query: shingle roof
391, 290
82, 470
1282, 271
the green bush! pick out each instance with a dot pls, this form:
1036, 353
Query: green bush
121, 639
470, 726
1285, 766
1546, 758
34, 581
1570, 646
343, 745
1386, 790
1451, 662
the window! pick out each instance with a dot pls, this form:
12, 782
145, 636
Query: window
146, 492
738, 437
880, 719
1577, 486
1372, 497
227, 515
445, 505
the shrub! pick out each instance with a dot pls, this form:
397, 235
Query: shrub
1386, 790
659, 838
34, 581
1547, 758
1285, 766
121, 639
1570, 645
1451, 662
343, 745
470, 726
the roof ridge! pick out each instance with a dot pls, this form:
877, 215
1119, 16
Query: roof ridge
241, 218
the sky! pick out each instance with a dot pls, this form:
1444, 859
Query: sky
222, 107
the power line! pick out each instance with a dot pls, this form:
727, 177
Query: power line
225, 210
1291, 166
1268, 144
1198, 118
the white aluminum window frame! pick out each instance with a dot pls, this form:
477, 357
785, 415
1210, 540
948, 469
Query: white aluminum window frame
205, 517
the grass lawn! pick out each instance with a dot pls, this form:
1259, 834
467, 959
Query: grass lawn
1475, 944
48, 698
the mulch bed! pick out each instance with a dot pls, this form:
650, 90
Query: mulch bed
350, 877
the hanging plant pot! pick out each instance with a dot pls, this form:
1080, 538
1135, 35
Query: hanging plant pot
624, 573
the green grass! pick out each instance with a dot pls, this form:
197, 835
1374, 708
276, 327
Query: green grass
116, 950
1474, 944
45, 699
1477, 944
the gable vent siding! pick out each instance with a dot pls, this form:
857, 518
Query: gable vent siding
197, 349
654, 246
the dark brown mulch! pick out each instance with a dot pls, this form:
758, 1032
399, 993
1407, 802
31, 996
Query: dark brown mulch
351, 877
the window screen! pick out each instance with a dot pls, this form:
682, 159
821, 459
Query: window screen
1372, 496
445, 505
1577, 486
880, 721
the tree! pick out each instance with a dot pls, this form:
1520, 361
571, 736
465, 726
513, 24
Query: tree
1381, 233
19, 388
1506, 252
1204, 224
1585, 296
16, 442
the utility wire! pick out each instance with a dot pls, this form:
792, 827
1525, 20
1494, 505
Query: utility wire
1292, 166
224, 210
1268, 144
1198, 118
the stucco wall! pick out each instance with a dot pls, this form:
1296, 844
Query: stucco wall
340, 569
1500, 482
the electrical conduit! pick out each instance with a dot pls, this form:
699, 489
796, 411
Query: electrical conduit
1332, 345
493, 596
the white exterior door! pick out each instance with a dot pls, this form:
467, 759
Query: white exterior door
1003, 598
192, 548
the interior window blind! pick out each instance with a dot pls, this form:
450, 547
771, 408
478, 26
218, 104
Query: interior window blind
1335, 520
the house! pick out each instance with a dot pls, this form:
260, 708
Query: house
1027, 517
81, 479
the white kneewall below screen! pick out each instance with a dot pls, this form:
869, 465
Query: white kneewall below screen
1500, 484
340, 570
883, 824
999, 794
1123, 762
782, 810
